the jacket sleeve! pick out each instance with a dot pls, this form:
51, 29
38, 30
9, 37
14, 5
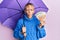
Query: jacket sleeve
41, 32
18, 29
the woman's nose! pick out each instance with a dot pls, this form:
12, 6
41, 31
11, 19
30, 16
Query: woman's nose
29, 11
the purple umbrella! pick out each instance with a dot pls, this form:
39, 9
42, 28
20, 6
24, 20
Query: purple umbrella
11, 10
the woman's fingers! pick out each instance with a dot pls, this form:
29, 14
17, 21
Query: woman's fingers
23, 29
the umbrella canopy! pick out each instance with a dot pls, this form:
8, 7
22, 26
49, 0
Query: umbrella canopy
11, 10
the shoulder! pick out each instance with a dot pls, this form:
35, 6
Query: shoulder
36, 20
20, 21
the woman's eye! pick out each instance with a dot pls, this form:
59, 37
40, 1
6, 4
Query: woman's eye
32, 10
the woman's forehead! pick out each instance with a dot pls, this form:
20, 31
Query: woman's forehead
30, 6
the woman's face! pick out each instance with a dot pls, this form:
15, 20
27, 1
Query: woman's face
29, 10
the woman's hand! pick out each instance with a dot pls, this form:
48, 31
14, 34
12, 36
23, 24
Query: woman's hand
42, 24
23, 30
24, 34
42, 20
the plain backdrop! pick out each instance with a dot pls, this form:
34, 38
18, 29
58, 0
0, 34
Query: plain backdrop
53, 20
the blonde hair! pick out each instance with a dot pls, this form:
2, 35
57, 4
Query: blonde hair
27, 5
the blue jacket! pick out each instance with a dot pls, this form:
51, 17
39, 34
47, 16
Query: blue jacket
33, 31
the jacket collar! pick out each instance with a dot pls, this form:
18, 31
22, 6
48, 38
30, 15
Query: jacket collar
26, 17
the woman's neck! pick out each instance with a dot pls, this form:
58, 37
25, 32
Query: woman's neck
29, 16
